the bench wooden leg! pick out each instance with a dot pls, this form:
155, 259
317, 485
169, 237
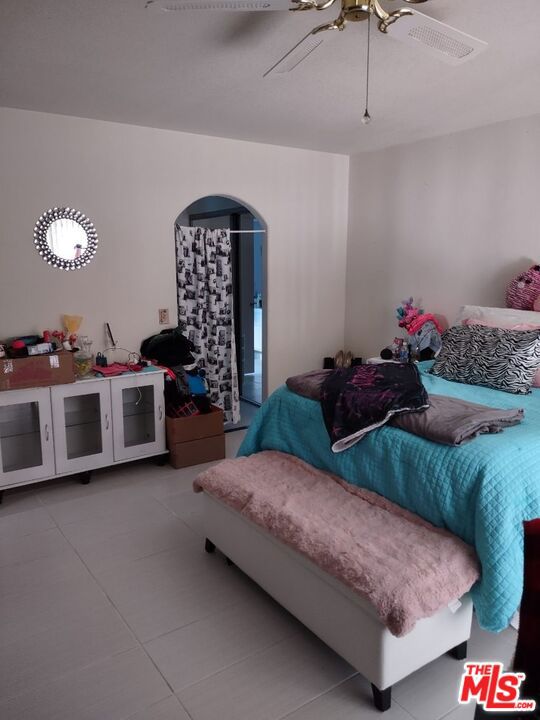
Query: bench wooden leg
382, 699
209, 546
459, 652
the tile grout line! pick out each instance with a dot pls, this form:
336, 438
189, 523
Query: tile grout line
320, 695
339, 684
258, 652
141, 645
134, 715
236, 662
118, 613
138, 643
66, 674
194, 622
447, 714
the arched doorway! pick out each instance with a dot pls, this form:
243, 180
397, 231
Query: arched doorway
248, 261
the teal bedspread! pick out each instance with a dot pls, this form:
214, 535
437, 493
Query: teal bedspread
481, 491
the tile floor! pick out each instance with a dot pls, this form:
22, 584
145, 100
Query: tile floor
247, 413
252, 382
111, 610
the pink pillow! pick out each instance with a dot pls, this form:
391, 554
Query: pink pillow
507, 326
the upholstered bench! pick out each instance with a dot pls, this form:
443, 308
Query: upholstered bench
383, 588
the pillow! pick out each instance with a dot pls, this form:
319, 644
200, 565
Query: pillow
501, 324
494, 316
501, 359
509, 326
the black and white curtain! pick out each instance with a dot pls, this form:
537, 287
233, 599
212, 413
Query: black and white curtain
205, 309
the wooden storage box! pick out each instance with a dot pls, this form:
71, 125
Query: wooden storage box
195, 452
195, 440
37, 371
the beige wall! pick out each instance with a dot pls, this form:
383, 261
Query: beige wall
450, 220
133, 182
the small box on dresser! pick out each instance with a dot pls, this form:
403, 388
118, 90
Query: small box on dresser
197, 439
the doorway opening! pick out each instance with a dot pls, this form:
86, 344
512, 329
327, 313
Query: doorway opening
248, 253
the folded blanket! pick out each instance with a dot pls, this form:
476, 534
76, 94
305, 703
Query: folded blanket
451, 421
357, 400
405, 567
308, 384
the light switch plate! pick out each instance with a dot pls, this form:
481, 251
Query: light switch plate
163, 316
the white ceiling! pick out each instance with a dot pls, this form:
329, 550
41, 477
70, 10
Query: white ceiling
202, 71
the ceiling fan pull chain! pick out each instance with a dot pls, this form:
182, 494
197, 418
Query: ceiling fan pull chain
366, 119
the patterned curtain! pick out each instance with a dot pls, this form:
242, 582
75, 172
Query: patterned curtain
205, 309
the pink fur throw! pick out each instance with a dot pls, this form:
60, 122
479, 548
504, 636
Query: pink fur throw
406, 568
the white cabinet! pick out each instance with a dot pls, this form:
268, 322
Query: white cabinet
26, 436
83, 438
76, 428
139, 416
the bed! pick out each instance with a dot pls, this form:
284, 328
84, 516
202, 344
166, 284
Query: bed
481, 491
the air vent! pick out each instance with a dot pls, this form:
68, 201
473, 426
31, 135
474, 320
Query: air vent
242, 5
440, 40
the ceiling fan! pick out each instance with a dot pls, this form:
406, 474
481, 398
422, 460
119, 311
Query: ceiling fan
410, 26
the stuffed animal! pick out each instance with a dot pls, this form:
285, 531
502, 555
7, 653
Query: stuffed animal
423, 328
523, 292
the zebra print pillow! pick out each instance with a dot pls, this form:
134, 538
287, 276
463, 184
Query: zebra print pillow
501, 359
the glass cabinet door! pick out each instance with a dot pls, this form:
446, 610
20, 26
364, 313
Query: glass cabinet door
82, 425
26, 447
138, 415
138, 410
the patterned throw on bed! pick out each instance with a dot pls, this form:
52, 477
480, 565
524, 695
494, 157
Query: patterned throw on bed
360, 399
481, 491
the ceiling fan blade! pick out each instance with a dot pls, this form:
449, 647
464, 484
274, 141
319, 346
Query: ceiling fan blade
302, 49
438, 39
170, 6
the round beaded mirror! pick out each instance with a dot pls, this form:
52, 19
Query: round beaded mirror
65, 238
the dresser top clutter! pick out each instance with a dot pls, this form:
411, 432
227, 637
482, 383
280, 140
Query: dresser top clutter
65, 411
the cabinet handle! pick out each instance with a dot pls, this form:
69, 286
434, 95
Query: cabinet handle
106, 421
46, 432
160, 413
